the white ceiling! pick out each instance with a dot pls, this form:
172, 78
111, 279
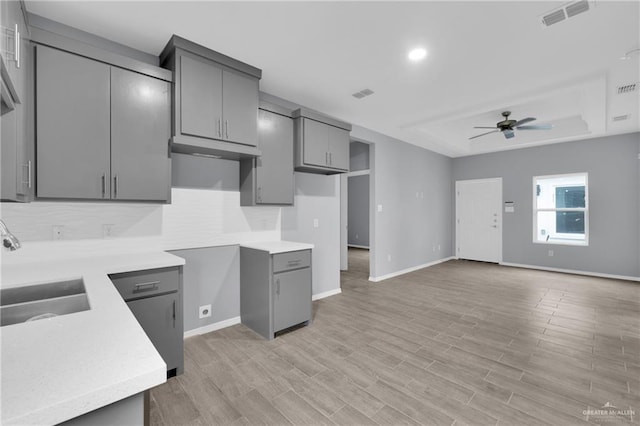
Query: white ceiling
484, 57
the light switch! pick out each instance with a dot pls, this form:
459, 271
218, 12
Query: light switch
316, 223
379, 207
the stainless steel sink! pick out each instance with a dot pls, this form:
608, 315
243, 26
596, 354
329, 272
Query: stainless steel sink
33, 302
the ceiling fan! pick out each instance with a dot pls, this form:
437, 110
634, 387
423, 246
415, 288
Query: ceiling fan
507, 126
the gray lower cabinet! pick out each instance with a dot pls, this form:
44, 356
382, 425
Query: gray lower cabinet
101, 132
155, 299
215, 101
268, 179
275, 290
291, 299
321, 143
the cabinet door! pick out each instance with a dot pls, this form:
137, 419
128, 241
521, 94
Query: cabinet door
200, 99
13, 18
338, 148
24, 153
72, 126
240, 107
158, 316
140, 132
291, 298
8, 171
316, 143
274, 169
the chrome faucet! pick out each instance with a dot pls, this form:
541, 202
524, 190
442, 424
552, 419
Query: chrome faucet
8, 239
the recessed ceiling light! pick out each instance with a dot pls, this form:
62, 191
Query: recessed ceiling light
417, 54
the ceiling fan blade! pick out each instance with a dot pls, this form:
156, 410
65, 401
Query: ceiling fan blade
508, 134
536, 127
484, 127
482, 134
524, 120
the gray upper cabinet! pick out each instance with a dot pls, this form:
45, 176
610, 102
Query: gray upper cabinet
316, 146
240, 108
140, 129
201, 99
321, 143
16, 143
102, 132
339, 148
215, 101
72, 127
268, 179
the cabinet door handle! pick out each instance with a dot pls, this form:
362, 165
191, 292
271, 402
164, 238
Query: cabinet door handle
326, 158
151, 285
331, 158
219, 123
174, 314
226, 129
104, 184
16, 53
115, 186
259, 193
278, 286
28, 167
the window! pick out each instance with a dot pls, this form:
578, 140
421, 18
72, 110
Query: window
561, 209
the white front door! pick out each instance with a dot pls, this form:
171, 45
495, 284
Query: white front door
479, 219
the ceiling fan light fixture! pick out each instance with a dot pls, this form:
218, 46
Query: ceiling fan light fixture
417, 54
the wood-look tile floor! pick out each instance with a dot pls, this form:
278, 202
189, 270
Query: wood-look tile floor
457, 343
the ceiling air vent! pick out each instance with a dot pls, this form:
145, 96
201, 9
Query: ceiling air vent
620, 117
577, 7
628, 88
363, 93
567, 11
553, 17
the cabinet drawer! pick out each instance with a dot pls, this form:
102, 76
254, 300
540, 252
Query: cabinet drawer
138, 284
291, 260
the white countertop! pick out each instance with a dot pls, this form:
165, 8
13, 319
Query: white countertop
59, 368
274, 247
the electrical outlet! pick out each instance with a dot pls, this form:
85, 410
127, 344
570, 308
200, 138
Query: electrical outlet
107, 230
57, 232
379, 207
204, 311
550, 253
316, 223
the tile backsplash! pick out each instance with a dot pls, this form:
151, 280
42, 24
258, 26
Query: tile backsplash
195, 218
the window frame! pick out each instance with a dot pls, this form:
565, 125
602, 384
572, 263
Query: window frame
567, 239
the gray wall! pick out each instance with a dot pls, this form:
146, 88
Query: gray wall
358, 156
358, 222
317, 197
411, 230
614, 197
211, 276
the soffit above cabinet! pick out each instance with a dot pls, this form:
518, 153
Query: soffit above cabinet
53, 34
181, 43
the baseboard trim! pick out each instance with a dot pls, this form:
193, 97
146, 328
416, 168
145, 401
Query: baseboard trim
412, 269
212, 327
357, 246
571, 271
326, 294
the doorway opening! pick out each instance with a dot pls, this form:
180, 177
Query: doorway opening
356, 200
